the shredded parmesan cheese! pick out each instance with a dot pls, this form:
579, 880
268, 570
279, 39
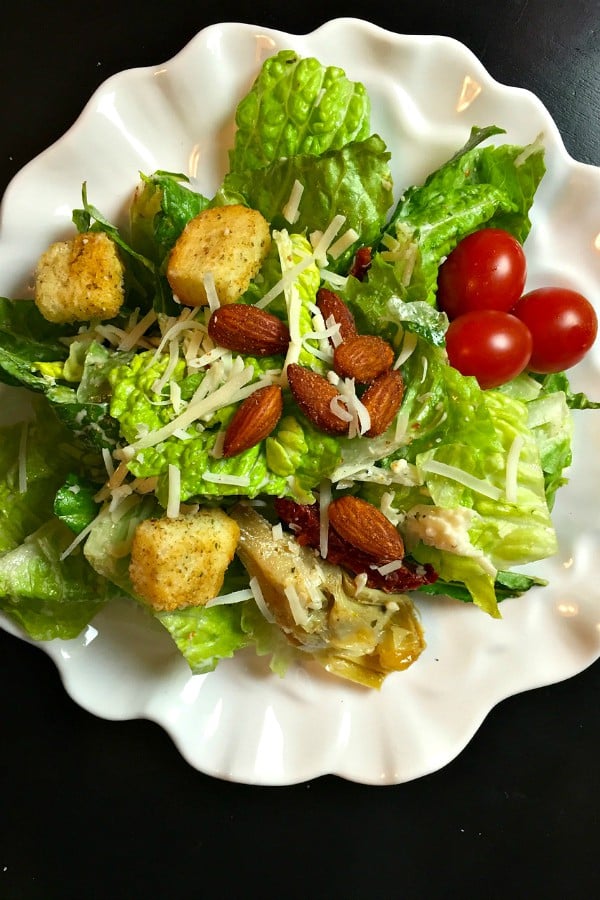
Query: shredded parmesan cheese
390, 567
133, 337
211, 291
233, 597
409, 343
174, 495
298, 612
462, 477
291, 210
324, 501
341, 245
225, 478
260, 600
327, 237
231, 392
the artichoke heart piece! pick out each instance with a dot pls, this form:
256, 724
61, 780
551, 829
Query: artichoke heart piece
361, 637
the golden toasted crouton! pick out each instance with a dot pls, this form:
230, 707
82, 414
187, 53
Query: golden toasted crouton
227, 242
182, 562
80, 279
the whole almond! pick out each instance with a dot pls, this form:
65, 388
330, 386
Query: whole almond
366, 528
248, 329
253, 420
382, 399
314, 394
331, 305
363, 358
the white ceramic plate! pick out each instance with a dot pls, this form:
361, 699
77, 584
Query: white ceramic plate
241, 722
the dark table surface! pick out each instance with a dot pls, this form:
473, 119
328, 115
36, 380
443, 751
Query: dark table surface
95, 809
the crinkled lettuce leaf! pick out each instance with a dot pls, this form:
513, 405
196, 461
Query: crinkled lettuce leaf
380, 305
479, 187
202, 635
45, 595
48, 596
451, 421
354, 181
162, 206
49, 454
297, 106
134, 404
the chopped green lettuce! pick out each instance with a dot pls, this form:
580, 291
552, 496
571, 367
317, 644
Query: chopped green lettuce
451, 423
47, 596
162, 206
297, 106
354, 181
479, 187
135, 406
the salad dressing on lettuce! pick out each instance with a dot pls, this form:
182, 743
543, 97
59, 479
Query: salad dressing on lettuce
129, 409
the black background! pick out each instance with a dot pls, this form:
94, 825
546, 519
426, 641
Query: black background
96, 809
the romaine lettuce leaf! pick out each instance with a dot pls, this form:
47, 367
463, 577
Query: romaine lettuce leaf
297, 106
354, 181
380, 305
479, 187
134, 405
202, 635
49, 597
452, 422
47, 453
162, 206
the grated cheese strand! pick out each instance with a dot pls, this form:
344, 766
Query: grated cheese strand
324, 501
291, 210
341, 245
211, 291
325, 241
133, 337
459, 475
299, 614
223, 396
233, 597
225, 478
260, 600
174, 495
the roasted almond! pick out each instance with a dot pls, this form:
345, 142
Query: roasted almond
331, 305
366, 528
382, 399
248, 329
253, 420
314, 395
363, 358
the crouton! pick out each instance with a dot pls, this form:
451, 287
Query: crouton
182, 561
227, 242
80, 279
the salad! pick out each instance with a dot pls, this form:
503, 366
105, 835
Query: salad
242, 412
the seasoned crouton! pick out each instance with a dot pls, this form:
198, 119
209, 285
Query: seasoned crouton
227, 242
182, 562
80, 279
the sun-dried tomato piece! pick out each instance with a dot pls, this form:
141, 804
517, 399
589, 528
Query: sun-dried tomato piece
362, 263
304, 522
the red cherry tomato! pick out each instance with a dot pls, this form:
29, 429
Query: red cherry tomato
486, 270
492, 345
563, 327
